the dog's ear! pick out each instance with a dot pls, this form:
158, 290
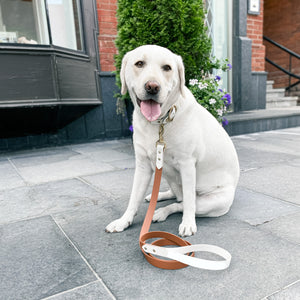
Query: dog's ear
181, 75
122, 74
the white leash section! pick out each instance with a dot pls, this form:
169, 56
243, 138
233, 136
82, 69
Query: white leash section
178, 254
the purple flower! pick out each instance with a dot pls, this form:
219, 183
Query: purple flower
220, 90
229, 66
227, 99
217, 78
224, 122
131, 128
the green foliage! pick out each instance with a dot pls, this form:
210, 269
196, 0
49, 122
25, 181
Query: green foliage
208, 92
175, 24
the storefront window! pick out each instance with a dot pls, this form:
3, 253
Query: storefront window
219, 24
65, 23
25, 22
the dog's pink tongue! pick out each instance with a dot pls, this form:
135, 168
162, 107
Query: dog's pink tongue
150, 109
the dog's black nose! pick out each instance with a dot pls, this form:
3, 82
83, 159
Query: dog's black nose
152, 87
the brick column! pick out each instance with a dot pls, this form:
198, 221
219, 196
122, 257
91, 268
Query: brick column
255, 33
107, 33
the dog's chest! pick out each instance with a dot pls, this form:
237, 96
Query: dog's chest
170, 159
147, 137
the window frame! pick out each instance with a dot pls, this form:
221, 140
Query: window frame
58, 76
52, 47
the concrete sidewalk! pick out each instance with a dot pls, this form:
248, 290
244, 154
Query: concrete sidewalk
56, 202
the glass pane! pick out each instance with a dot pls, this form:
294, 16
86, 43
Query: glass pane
65, 23
218, 21
23, 21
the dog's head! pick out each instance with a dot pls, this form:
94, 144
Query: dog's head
154, 77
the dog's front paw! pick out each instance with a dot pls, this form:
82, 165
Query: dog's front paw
148, 198
160, 215
187, 228
118, 225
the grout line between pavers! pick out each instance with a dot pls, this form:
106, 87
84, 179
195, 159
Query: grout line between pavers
270, 196
61, 179
95, 188
17, 171
70, 290
284, 132
84, 259
282, 289
292, 284
28, 218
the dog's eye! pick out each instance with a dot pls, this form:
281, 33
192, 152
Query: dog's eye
166, 68
139, 64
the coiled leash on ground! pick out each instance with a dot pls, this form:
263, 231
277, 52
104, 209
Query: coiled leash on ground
183, 255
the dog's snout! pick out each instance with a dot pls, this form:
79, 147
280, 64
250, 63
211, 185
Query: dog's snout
152, 87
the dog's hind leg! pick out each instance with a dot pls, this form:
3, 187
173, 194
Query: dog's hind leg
163, 196
216, 203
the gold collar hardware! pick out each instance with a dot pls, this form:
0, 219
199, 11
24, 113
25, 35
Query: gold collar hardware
168, 118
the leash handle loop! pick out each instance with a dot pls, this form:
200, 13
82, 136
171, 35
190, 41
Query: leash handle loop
178, 254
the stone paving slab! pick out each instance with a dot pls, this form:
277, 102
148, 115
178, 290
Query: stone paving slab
32, 201
42, 157
262, 263
61, 170
106, 155
266, 149
97, 146
278, 141
271, 162
37, 261
287, 227
46, 165
109, 155
256, 208
117, 183
278, 181
123, 164
250, 159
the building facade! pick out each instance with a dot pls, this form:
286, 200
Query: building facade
282, 25
57, 61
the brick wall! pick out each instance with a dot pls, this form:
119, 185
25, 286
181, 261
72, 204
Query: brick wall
282, 24
108, 30
255, 33
107, 33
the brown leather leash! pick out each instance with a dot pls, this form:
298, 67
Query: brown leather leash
165, 237
183, 255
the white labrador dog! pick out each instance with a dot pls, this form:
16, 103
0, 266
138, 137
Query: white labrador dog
200, 161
